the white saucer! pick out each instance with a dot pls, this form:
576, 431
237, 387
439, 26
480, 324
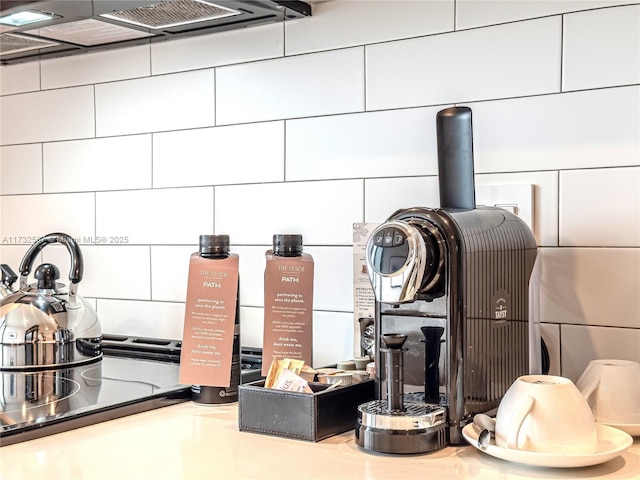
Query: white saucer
630, 428
611, 443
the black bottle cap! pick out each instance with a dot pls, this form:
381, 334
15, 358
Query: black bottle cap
287, 245
214, 244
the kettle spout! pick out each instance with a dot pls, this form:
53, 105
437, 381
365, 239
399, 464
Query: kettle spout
6, 282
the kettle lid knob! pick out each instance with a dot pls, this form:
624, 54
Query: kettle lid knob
47, 274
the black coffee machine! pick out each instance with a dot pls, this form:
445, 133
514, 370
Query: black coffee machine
452, 323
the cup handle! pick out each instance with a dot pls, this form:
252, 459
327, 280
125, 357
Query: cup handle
517, 419
590, 387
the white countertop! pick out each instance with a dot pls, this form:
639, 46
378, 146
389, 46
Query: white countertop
187, 441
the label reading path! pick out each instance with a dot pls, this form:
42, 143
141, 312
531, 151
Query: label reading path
207, 345
288, 303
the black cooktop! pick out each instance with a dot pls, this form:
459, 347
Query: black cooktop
134, 375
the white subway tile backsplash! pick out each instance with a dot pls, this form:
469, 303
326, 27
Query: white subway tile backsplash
12, 255
110, 271
219, 155
108, 66
142, 319
271, 129
300, 86
170, 271
600, 207
590, 286
251, 270
362, 145
46, 116
346, 24
333, 278
21, 169
465, 66
332, 338
28, 217
581, 344
572, 130
545, 200
251, 326
19, 78
386, 195
323, 212
234, 46
475, 13
159, 217
187, 100
610, 57
98, 164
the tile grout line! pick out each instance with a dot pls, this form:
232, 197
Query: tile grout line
562, 52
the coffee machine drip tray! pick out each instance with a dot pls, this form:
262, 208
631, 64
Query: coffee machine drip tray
417, 428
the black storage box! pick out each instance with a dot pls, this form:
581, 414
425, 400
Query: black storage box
304, 416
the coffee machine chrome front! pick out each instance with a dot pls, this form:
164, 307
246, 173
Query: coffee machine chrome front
400, 259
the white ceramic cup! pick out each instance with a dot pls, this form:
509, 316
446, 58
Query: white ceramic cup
546, 414
612, 390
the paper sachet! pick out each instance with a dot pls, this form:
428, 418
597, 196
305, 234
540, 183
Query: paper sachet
289, 381
288, 374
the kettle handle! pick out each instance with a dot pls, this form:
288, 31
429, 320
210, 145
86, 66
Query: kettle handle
75, 275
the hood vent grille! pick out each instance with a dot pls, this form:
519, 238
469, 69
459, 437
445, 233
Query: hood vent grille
10, 43
172, 13
84, 26
88, 32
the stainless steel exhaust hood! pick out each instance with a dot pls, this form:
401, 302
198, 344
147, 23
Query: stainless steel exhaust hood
36, 30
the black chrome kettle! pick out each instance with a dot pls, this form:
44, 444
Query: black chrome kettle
45, 324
